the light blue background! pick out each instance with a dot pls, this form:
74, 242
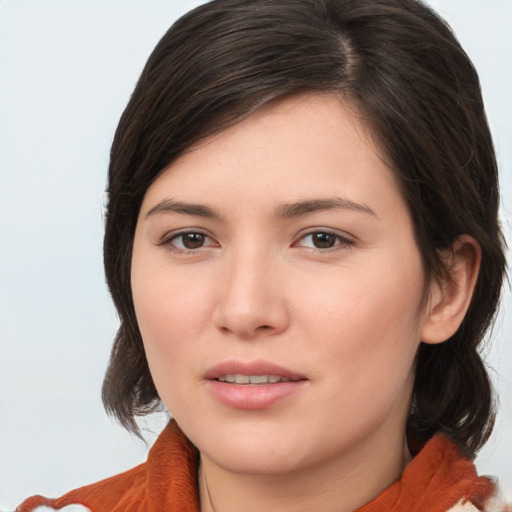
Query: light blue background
67, 68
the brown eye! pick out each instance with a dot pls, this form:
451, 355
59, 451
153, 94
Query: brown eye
191, 240
324, 240
188, 241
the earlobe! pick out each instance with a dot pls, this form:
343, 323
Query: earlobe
450, 295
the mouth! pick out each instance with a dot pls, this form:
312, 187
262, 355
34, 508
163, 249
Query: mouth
254, 385
255, 380
257, 372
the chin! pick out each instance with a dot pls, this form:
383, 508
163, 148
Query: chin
255, 461
256, 449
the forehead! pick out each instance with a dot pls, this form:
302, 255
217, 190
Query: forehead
310, 145
326, 115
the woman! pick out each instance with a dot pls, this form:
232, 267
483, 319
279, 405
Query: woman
303, 246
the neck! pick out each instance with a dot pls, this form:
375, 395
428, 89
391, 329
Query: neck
336, 486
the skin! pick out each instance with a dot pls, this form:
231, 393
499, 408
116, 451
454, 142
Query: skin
340, 307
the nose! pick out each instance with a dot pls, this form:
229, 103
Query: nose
251, 300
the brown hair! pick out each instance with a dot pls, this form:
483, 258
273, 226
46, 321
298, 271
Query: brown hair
414, 85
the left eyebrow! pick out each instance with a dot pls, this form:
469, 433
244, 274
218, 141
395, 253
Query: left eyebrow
198, 210
315, 205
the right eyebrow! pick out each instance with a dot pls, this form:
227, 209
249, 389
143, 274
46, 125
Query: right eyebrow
315, 205
170, 206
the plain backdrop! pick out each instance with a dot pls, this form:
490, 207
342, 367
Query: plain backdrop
67, 68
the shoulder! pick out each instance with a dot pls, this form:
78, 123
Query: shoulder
166, 481
443, 478
102, 496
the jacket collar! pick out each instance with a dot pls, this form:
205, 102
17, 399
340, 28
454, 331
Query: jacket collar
437, 479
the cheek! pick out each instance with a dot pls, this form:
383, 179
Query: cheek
167, 299
170, 313
367, 319
171, 319
164, 309
167, 327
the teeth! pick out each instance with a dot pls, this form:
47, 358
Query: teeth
252, 379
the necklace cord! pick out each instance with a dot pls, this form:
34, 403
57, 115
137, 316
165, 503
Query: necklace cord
203, 471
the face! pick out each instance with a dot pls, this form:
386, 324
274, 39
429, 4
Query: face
277, 287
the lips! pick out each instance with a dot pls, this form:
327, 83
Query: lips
254, 385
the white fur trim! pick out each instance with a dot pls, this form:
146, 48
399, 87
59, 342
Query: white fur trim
68, 508
463, 507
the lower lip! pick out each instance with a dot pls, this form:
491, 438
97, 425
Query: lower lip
253, 397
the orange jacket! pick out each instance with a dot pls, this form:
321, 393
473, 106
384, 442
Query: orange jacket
436, 480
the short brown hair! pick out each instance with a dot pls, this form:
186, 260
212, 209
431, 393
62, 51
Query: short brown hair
414, 86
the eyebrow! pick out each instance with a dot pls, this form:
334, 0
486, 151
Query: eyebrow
314, 205
171, 206
284, 211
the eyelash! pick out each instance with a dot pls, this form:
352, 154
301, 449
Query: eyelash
341, 241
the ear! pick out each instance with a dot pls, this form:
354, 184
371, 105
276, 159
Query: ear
450, 295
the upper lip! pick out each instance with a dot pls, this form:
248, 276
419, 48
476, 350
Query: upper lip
259, 367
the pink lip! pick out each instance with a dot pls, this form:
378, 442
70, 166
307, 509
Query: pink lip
249, 396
